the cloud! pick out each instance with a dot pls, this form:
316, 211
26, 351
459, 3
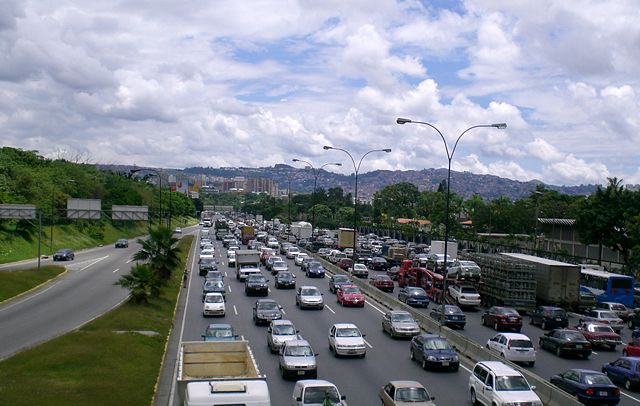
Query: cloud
573, 170
544, 151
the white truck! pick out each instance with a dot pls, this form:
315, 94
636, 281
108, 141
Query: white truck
247, 262
220, 373
301, 230
437, 247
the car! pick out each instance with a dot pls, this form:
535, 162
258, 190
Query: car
279, 266
271, 260
344, 263
392, 272
453, 316
618, 308
413, 296
586, 299
265, 310
514, 347
299, 257
565, 342
500, 317
400, 323
297, 359
587, 386
599, 335
178, 230
315, 270
207, 265
292, 251
205, 241
495, 383
379, 264
433, 351
232, 249
280, 331
309, 297
359, 270
464, 270
338, 280
382, 282
624, 370
399, 393
256, 284
306, 261
604, 316
346, 339
64, 254
632, 349
213, 286
213, 305
284, 247
231, 260
549, 317
465, 295
122, 243
315, 392
350, 295
214, 275
219, 332
285, 280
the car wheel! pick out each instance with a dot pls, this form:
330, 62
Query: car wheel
495, 326
474, 399
630, 324
532, 363
558, 352
483, 321
627, 384
411, 355
544, 325
424, 363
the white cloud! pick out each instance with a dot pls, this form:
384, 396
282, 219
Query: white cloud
544, 151
573, 170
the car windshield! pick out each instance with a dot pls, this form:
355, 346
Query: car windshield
510, 312
437, 344
412, 395
298, 351
569, 336
340, 278
512, 383
597, 379
285, 276
347, 332
310, 292
401, 317
382, 278
284, 330
521, 343
608, 315
452, 310
318, 394
212, 284
350, 291
213, 299
558, 313
359, 267
267, 306
600, 329
207, 261
279, 264
219, 332
416, 292
618, 306
468, 289
256, 278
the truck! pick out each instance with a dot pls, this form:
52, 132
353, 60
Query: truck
437, 247
395, 254
301, 230
247, 262
221, 229
345, 238
220, 372
247, 233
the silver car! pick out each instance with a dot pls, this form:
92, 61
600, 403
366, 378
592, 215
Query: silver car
309, 297
298, 360
280, 331
279, 266
399, 323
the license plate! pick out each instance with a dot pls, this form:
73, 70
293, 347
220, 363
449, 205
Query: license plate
558, 319
352, 351
603, 393
300, 372
445, 363
578, 347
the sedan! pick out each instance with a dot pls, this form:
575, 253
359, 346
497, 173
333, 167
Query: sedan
122, 243
279, 332
382, 282
514, 347
565, 342
453, 316
399, 323
589, 387
350, 295
279, 266
315, 270
309, 297
360, 271
64, 254
338, 280
624, 370
549, 317
298, 259
379, 264
298, 360
604, 316
502, 318
266, 310
256, 284
346, 339
399, 393
285, 280
433, 351
413, 296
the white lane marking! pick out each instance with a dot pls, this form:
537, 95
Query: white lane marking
367, 302
225, 273
594, 353
229, 288
630, 397
330, 309
367, 342
130, 260
235, 310
283, 312
242, 338
465, 368
116, 270
94, 262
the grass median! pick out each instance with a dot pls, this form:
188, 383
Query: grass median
13, 283
114, 360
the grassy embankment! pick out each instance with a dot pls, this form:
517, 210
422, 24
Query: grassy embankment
12, 283
113, 360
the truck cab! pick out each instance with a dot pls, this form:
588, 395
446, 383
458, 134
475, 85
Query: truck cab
247, 392
314, 392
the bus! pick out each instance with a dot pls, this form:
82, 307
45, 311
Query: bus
608, 286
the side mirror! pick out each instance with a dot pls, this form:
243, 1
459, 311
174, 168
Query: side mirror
203, 336
364, 335
488, 388
269, 330
299, 399
343, 397
533, 387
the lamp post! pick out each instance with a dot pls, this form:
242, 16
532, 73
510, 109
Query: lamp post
289, 205
449, 158
53, 203
159, 175
316, 172
356, 169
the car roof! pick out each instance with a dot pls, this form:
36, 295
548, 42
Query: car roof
282, 322
515, 336
298, 342
219, 325
499, 367
266, 301
430, 336
314, 382
308, 287
345, 325
406, 384
587, 371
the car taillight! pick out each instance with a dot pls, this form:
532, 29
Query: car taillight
589, 392
616, 392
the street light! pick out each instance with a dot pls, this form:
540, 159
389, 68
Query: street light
159, 175
356, 169
316, 172
449, 158
53, 203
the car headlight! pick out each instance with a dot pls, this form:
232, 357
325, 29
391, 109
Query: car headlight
455, 358
431, 358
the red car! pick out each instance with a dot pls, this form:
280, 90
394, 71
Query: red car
344, 263
599, 334
382, 282
350, 295
500, 318
631, 350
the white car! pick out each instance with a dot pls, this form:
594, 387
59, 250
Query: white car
346, 339
495, 383
360, 270
309, 296
213, 305
513, 347
292, 252
280, 331
312, 392
464, 295
231, 259
232, 249
301, 256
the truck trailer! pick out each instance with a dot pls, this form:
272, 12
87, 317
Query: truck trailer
345, 238
247, 262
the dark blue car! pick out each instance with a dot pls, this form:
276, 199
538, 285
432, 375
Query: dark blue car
624, 370
315, 270
588, 386
433, 351
413, 296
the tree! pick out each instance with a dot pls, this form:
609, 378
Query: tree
160, 252
142, 282
344, 217
397, 201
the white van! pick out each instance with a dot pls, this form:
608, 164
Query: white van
313, 392
245, 392
493, 382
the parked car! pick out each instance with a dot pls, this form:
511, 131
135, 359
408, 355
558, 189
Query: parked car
564, 342
297, 359
256, 284
500, 317
315, 270
433, 351
400, 323
279, 332
309, 297
350, 295
213, 305
599, 335
464, 295
618, 308
453, 316
122, 243
285, 280
219, 332
266, 310
359, 270
495, 383
382, 282
588, 386
346, 339
64, 254
313, 392
514, 347
400, 393
338, 280
605, 317
549, 317
624, 370
413, 296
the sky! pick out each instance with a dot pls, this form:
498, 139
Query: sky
177, 84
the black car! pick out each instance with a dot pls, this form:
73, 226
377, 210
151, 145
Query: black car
564, 342
64, 254
315, 270
379, 264
122, 243
256, 284
549, 317
207, 265
266, 310
588, 386
338, 280
213, 286
285, 280
413, 296
453, 316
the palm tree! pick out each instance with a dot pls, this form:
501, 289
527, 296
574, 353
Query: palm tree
142, 282
160, 252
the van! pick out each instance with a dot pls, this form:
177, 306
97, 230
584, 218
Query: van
244, 392
313, 392
496, 383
